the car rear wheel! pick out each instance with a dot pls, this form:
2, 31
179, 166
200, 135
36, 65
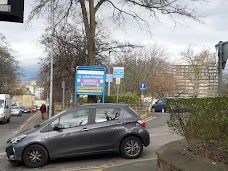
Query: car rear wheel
35, 156
131, 147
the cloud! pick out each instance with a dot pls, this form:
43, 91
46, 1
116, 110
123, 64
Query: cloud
175, 38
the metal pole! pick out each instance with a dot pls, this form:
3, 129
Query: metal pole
117, 99
109, 83
220, 54
63, 99
51, 65
109, 71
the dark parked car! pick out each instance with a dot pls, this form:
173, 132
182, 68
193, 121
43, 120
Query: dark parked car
81, 130
25, 109
160, 105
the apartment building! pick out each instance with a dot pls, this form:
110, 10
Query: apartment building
197, 80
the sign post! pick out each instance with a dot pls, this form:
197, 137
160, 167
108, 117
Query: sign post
118, 73
109, 79
142, 87
63, 99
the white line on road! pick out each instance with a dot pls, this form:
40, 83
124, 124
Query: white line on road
22, 126
2, 154
159, 134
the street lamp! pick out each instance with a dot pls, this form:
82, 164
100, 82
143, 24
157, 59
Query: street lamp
51, 65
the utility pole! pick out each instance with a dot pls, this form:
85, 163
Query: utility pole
63, 98
51, 65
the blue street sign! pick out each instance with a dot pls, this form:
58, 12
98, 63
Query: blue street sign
109, 78
118, 72
142, 86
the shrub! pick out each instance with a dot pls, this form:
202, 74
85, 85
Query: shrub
203, 121
123, 98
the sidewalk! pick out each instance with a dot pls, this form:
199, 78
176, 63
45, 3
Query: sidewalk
35, 119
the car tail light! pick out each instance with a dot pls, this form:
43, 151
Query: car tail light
141, 122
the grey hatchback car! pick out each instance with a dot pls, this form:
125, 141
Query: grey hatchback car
81, 130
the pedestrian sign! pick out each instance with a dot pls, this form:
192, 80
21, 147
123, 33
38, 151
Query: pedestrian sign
142, 86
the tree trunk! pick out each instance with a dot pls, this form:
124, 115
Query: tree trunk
91, 37
90, 30
90, 27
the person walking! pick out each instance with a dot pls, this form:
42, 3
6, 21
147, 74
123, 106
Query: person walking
42, 110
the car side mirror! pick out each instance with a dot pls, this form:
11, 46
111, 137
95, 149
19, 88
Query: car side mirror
58, 126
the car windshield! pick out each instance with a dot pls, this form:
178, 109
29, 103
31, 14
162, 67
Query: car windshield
15, 107
1, 103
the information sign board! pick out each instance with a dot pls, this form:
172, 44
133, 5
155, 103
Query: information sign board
90, 80
118, 72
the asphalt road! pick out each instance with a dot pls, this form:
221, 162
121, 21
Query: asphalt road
9, 129
156, 125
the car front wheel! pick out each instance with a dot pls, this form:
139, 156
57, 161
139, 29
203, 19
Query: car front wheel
153, 110
131, 147
35, 156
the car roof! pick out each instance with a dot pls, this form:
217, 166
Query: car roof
103, 105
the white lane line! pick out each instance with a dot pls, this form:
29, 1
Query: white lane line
2, 154
23, 125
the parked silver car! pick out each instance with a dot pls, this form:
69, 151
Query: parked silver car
81, 130
16, 110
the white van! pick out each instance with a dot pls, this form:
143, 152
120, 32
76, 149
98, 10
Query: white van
5, 108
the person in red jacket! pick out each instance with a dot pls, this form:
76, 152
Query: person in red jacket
42, 110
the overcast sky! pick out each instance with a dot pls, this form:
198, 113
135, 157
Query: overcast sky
24, 40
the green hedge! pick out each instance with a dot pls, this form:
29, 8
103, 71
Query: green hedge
204, 123
123, 98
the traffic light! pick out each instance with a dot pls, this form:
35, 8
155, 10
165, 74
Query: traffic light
222, 48
12, 10
225, 54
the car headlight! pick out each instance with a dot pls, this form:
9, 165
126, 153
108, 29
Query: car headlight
17, 138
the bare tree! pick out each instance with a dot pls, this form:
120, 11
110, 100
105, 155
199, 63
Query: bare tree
200, 70
9, 74
70, 52
146, 65
67, 10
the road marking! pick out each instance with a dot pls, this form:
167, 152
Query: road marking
2, 155
91, 168
159, 134
101, 167
23, 125
149, 118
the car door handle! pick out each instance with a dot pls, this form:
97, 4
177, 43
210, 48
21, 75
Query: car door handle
84, 129
119, 123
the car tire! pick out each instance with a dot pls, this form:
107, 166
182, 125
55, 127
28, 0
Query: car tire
153, 110
131, 147
35, 156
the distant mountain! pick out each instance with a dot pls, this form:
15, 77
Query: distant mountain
28, 72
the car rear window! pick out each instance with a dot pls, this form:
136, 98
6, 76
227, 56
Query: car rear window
130, 112
107, 114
